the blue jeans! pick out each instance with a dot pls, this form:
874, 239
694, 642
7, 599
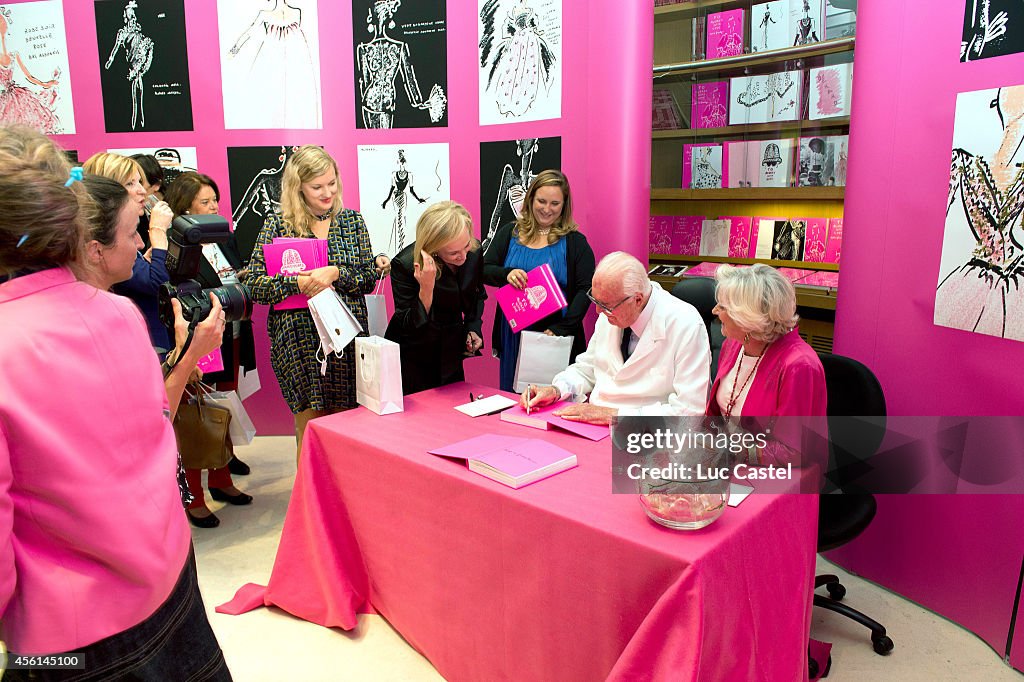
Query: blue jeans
175, 643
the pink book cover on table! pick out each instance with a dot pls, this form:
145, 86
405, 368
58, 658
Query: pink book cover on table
795, 275
703, 270
543, 418
834, 243
290, 256
510, 460
815, 233
659, 234
725, 33
541, 297
739, 236
709, 106
826, 280
686, 235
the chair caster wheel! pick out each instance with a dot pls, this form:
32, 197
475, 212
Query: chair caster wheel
882, 645
836, 591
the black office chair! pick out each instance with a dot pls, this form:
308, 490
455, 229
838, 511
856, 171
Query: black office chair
843, 511
700, 293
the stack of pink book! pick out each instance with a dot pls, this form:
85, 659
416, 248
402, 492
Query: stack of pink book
512, 461
541, 297
290, 256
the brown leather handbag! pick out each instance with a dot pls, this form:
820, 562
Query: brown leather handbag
202, 431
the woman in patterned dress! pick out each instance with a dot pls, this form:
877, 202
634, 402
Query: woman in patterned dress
311, 208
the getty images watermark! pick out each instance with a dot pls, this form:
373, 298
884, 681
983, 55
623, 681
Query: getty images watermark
691, 456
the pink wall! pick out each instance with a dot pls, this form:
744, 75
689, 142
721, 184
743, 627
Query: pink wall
907, 76
604, 126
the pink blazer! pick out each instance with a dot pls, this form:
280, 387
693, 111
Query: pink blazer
92, 532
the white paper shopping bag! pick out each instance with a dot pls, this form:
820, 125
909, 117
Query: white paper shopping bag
379, 375
240, 428
541, 357
335, 324
376, 311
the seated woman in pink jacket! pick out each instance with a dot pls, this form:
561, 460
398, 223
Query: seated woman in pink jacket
95, 552
765, 370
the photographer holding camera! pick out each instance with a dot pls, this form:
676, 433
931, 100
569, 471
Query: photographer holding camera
95, 556
194, 193
311, 208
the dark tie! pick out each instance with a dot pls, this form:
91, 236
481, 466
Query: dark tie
627, 333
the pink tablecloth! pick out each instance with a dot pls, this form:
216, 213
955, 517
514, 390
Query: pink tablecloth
560, 580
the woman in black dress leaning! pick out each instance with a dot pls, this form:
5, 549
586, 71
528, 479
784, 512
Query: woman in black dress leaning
311, 208
544, 233
439, 298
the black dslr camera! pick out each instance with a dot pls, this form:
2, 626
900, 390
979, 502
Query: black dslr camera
185, 239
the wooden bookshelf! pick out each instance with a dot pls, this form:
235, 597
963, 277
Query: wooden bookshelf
743, 61
750, 194
686, 9
668, 259
744, 131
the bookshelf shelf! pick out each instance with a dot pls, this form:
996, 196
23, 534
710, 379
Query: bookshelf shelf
741, 131
673, 258
825, 47
750, 194
685, 9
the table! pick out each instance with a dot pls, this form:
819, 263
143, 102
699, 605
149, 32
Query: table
560, 580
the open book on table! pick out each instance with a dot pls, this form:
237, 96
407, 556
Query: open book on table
515, 462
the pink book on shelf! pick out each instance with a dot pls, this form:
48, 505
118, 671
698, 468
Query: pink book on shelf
817, 229
795, 275
739, 236
744, 162
686, 235
829, 280
541, 297
659, 236
725, 33
544, 418
834, 243
290, 257
664, 115
709, 105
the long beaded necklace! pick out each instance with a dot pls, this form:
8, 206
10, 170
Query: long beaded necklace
734, 395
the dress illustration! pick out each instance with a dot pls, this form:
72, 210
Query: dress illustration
806, 31
705, 175
765, 22
138, 52
401, 180
520, 61
379, 62
280, 64
772, 90
19, 104
513, 187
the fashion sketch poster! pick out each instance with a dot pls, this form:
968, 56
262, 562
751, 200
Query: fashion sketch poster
270, 64
35, 83
520, 52
992, 28
396, 183
143, 65
506, 170
981, 272
254, 177
401, 63
173, 160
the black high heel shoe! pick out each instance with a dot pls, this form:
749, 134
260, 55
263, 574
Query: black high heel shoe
237, 467
210, 521
221, 496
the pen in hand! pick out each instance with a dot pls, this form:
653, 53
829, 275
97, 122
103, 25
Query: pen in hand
529, 395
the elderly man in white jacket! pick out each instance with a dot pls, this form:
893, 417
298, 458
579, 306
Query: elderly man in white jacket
649, 354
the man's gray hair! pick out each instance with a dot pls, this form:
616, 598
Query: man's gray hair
627, 270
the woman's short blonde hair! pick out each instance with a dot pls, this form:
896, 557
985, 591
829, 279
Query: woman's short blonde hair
441, 223
118, 168
758, 299
307, 163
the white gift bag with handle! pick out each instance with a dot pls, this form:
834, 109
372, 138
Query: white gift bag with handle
541, 357
335, 324
379, 375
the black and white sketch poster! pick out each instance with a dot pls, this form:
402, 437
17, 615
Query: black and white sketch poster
506, 171
143, 65
992, 28
401, 63
35, 85
254, 175
520, 60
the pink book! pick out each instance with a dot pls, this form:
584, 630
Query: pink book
660, 234
752, 242
825, 280
686, 235
664, 115
739, 236
291, 257
703, 270
725, 33
833, 244
744, 163
709, 105
541, 297
543, 418
212, 362
515, 462
817, 229
795, 275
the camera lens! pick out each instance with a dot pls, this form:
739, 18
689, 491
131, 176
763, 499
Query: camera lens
236, 301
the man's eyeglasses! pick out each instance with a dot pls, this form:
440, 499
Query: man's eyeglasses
606, 308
